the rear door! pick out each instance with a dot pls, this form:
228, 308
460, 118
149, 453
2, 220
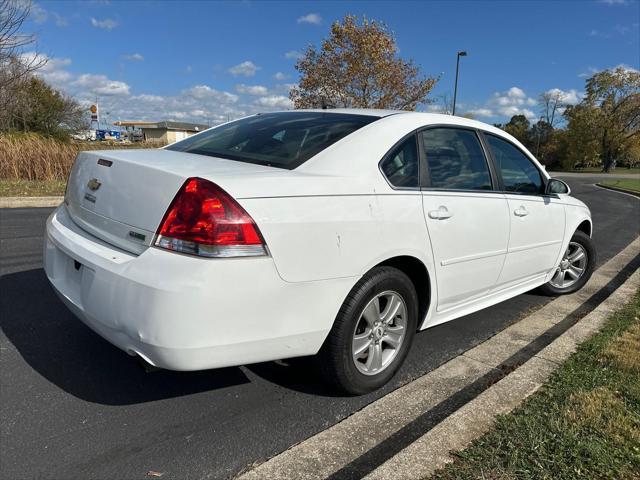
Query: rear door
467, 217
537, 220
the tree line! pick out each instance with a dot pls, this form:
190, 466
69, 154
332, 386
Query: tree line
602, 130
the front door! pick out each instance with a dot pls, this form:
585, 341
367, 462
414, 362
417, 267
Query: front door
537, 220
468, 220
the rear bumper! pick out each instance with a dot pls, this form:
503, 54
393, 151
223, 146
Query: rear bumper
185, 313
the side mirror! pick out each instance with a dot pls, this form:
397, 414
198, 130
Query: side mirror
556, 186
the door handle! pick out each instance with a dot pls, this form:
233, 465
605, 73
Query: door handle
521, 211
441, 213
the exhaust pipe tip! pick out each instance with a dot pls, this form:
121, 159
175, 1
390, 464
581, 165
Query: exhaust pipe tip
146, 365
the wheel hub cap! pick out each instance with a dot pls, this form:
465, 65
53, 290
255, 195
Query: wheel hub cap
572, 266
379, 333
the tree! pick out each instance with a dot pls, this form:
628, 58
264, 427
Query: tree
581, 145
39, 108
13, 65
358, 66
552, 104
519, 126
612, 103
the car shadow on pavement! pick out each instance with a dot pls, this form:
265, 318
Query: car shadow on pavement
67, 353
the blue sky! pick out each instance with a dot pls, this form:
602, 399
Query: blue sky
209, 61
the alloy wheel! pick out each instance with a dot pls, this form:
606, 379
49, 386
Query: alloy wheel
572, 266
379, 333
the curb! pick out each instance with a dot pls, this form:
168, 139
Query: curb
621, 190
432, 451
30, 202
447, 408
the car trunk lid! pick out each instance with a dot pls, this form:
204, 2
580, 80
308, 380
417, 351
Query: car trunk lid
121, 196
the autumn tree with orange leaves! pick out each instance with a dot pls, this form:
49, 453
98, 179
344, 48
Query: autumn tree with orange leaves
358, 66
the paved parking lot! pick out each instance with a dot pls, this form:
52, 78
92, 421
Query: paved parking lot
73, 406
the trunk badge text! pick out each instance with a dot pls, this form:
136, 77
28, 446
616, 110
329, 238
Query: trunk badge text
94, 184
137, 235
89, 197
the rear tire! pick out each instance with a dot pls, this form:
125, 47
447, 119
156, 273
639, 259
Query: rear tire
372, 333
579, 259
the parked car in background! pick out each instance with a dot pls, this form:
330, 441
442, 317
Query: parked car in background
336, 233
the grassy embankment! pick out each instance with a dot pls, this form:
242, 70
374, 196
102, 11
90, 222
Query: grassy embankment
584, 424
32, 165
624, 183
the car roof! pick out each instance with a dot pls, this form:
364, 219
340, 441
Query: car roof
426, 118
371, 112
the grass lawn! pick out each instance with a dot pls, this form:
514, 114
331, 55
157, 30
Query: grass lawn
627, 184
31, 188
583, 424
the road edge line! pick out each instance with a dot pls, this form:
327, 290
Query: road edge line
618, 190
30, 202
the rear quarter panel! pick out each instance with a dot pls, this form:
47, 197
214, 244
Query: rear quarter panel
324, 237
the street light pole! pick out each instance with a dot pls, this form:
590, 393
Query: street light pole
455, 88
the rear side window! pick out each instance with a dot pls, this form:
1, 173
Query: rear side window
401, 165
284, 140
519, 174
455, 159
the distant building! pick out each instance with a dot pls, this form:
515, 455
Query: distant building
166, 132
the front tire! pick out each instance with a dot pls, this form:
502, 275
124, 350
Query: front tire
576, 266
372, 333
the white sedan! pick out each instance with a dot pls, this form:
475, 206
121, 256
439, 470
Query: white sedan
331, 232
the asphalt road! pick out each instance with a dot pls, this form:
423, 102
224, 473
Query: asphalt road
73, 406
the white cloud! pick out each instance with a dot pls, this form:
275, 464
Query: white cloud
257, 90
570, 97
205, 92
293, 55
246, 68
107, 23
590, 71
274, 101
40, 15
593, 70
101, 85
510, 111
513, 101
147, 98
199, 103
59, 20
53, 71
614, 2
312, 18
482, 112
626, 68
280, 76
134, 57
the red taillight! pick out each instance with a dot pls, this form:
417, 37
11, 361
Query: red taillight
205, 220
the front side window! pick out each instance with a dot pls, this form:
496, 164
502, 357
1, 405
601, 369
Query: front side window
519, 174
284, 140
455, 159
401, 165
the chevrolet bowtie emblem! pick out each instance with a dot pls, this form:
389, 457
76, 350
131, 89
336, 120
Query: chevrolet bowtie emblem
94, 184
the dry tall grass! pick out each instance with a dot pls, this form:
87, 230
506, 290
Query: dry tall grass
33, 157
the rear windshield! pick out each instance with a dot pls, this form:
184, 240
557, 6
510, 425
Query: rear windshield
284, 140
